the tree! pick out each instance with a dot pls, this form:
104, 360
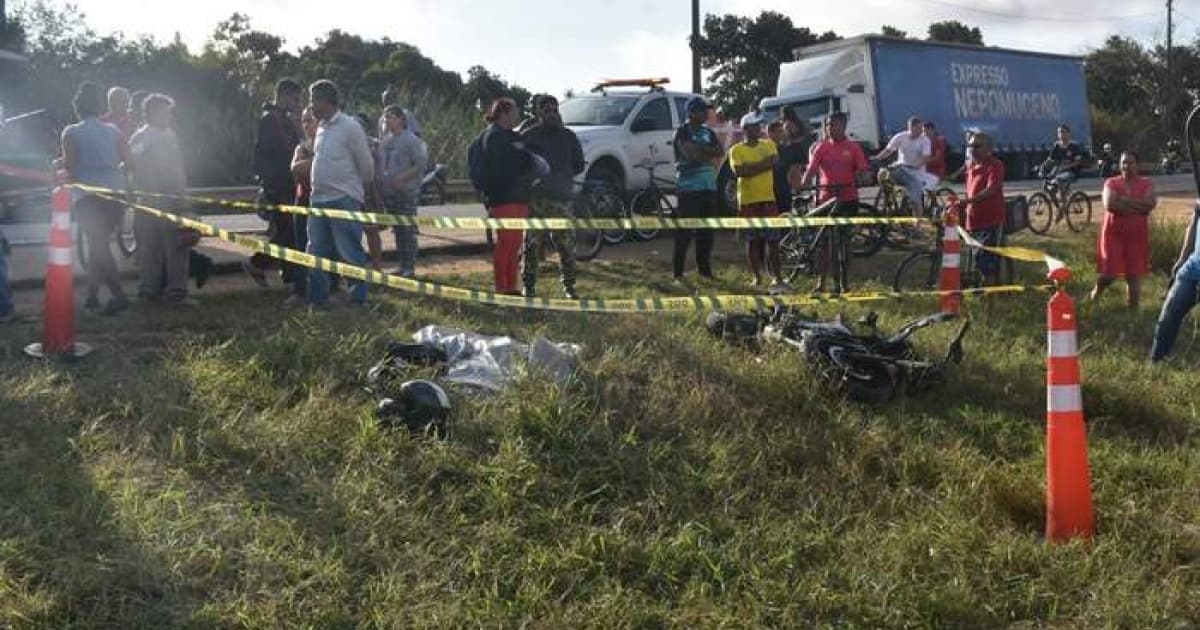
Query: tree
483, 87
955, 32
1120, 77
887, 30
744, 55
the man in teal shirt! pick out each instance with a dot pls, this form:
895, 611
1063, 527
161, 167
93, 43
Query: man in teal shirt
696, 149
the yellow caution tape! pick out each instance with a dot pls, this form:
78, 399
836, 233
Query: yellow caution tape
596, 305
539, 224
1024, 254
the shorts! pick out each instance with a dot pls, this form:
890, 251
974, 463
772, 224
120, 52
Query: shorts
986, 262
764, 210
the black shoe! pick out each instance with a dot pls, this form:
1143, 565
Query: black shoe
571, 293
529, 292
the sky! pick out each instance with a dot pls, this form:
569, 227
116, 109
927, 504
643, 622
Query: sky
552, 47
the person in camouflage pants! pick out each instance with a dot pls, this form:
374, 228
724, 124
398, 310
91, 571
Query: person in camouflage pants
552, 194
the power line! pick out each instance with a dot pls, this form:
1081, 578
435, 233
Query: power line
1041, 18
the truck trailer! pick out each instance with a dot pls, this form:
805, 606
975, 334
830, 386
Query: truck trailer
1018, 97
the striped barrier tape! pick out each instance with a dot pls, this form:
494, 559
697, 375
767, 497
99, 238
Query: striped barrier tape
597, 305
1023, 254
539, 224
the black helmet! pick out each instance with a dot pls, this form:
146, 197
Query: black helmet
421, 406
739, 328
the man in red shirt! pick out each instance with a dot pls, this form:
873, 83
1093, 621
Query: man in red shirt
937, 156
838, 160
985, 204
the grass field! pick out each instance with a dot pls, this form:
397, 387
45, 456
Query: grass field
220, 468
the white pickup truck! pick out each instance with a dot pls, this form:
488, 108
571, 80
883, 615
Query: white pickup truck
620, 130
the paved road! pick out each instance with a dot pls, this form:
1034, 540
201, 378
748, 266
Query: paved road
36, 233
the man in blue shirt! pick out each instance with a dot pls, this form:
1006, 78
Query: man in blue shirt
696, 150
1183, 294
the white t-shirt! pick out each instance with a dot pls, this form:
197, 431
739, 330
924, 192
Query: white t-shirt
909, 150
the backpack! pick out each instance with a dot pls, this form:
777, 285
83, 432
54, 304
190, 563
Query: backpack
475, 164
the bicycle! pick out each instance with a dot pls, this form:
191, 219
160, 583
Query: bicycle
892, 200
593, 202
651, 201
803, 248
1045, 210
921, 271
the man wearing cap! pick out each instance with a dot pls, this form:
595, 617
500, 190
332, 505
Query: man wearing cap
696, 148
753, 161
552, 193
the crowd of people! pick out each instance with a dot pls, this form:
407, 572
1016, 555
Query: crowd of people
319, 156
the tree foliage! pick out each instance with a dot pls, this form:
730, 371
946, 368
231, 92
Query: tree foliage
955, 32
744, 55
887, 30
219, 90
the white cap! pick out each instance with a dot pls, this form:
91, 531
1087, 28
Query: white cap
753, 118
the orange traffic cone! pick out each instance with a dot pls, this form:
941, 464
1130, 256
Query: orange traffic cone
950, 282
58, 337
1069, 511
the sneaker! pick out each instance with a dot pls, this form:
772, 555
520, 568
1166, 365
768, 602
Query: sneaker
115, 305
257, 275
571, 293
529, 292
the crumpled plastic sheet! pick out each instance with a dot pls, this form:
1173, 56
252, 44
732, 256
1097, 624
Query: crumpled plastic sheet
495, 363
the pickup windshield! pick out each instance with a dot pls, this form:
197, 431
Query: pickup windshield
593, 111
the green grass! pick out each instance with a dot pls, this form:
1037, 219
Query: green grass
220, 469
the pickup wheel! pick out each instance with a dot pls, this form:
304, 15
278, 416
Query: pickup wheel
607, 176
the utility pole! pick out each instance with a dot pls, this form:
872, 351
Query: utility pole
697, 84
1169, 84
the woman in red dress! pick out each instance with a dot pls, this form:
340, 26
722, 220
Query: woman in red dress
1124, 245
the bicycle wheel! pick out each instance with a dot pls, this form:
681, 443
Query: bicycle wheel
918, 272
607, 203
646, 204
1079, 211
867, 239
798, 251
588, 241
1041, 213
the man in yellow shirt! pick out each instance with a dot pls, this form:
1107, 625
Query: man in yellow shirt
753, 161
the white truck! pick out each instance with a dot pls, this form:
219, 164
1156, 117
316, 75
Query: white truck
623, 130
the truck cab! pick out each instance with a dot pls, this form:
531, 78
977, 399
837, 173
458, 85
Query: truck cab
621, 128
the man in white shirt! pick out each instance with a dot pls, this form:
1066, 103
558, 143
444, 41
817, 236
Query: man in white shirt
342, 162
913, 151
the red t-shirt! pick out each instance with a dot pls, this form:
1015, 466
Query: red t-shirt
937, 165
837, 162
986, 213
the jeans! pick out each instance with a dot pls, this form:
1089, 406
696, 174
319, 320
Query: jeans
911, 180
328, 236
6, 305
406, 235
1180, 300
300, 239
